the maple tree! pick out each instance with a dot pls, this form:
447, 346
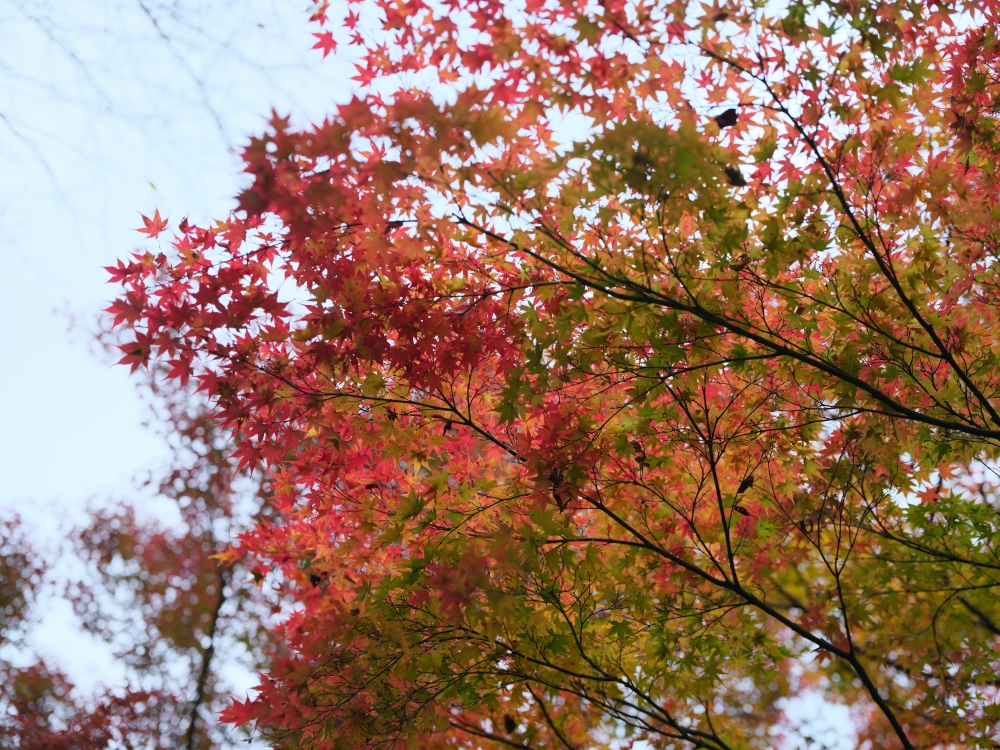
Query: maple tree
620, 369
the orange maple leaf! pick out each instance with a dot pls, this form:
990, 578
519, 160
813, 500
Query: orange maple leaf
152, 226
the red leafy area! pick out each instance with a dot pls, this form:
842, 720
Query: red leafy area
475, 327
38, 707
40, 713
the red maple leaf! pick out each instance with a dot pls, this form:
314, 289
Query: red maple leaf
153, 226
136, 353
326, 42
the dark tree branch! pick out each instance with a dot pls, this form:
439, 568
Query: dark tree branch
983, 618
206, 662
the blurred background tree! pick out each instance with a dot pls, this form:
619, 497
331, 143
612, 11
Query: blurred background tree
177, 621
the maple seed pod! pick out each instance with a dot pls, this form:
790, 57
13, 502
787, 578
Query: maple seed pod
735, 177
741, 510
509, 724
728, 118
745, 485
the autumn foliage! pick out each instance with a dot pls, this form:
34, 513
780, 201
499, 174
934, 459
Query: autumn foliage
620, 369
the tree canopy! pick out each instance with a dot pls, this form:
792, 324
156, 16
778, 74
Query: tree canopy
621, 369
